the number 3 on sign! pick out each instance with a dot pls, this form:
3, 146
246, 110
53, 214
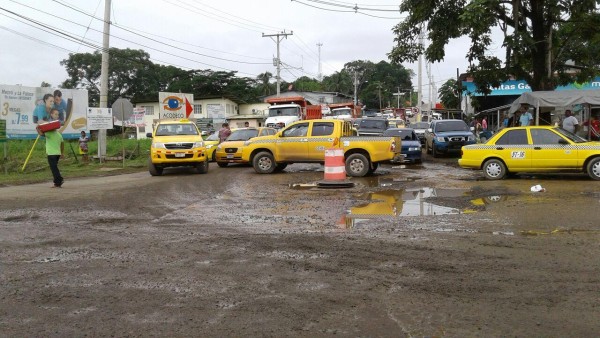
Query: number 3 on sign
517, 154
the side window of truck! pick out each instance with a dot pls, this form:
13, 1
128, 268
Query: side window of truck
298, 130
322, 129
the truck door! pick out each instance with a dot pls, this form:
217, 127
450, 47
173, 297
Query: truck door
293, 143
321, 138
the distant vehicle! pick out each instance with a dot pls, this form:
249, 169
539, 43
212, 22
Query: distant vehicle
341, 113
372, 126
370, 113
411, 146
447, 136
211, 143
286, 110
532, 149
420, 128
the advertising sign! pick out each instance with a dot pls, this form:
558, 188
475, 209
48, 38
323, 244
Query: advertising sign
175, 105
99, 118
215, 111
22, 107
137, 118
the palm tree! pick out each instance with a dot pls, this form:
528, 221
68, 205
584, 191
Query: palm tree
265, 82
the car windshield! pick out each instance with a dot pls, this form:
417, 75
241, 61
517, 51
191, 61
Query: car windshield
284, 111
339, 112
451, 126
176, 129
213, 137
420, 125
368, 123
242, 135
570, 136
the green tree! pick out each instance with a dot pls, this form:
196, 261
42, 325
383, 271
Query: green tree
539, 37
305, 83
45, 84
449, 94
339, 82
265, 86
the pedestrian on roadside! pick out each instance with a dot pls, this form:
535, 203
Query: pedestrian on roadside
484, 125
224, 132
594, 124
570, 122
83, 146
525, 118
55, 149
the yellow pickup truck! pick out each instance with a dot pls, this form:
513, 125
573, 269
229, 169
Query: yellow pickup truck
306, 141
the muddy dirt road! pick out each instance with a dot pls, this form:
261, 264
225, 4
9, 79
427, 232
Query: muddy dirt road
428, 250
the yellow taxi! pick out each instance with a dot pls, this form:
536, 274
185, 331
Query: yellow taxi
211, 142
176, 143
532, 149
230, 151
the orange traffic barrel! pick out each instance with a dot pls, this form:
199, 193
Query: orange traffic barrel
335, 167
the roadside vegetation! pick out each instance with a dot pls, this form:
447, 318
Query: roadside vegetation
36, 170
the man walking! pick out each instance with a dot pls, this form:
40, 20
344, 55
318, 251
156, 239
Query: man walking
55, 149
224, 132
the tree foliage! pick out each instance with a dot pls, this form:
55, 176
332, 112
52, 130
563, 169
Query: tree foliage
540, 37
133, 75
449, 94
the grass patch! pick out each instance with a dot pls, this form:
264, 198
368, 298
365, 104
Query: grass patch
37, 170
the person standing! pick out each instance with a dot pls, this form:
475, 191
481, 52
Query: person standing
594, 124
570, 122
246, 124
484, 124
526, 117
224, 132
83, 146
55, 149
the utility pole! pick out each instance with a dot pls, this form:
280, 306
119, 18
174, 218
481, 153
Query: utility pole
355, 87
104, 78
320, 75
420, 76
277, 62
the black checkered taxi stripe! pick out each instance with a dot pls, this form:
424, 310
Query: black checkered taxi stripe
323, 139
532, 146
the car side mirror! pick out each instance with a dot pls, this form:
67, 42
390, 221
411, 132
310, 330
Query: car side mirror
472, 128
429, 130
149, 135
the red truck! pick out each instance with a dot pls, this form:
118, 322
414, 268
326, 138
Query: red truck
286, 110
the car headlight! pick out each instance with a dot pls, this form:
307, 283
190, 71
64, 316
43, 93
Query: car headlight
414, 148
246, 143
219, 147
471, 138
158, 145
199, 144
208, 146
440, 139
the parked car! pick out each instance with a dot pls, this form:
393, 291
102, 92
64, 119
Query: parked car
372, 126
420, 128
411, 146
230, 150
533, 149
447, 136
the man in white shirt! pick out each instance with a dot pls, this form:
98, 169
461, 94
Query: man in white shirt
570, 122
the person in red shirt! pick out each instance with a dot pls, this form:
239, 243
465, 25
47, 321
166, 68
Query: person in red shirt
594, 129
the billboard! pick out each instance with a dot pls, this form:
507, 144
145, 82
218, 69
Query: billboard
175, 105
22, 107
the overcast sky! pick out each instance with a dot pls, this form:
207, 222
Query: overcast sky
205, 34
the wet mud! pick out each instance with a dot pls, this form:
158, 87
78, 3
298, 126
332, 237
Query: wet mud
413, 250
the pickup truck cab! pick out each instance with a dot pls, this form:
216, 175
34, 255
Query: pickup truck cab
373, 126
306, 141
177, 143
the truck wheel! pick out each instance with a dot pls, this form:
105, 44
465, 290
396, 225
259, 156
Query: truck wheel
222, 164
593, 168
153, 169
357, 165
264, 163
202, 167
494, 169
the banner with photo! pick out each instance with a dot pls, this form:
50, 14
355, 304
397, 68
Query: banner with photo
22, 108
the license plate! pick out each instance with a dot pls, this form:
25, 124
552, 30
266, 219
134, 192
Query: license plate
229, 155
179, 154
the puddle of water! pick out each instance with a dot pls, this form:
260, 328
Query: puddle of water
390, 204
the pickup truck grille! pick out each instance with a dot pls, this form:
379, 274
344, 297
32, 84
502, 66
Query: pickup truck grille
231, 150
179, 145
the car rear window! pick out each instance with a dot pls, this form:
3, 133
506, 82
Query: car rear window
518, 136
